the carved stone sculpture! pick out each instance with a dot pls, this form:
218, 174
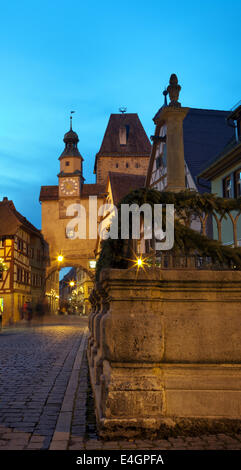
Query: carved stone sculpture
173, 90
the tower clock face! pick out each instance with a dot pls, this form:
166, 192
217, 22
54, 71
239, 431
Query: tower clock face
69, 186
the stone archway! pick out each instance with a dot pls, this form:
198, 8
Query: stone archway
52, 291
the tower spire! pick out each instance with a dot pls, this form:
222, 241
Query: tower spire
71, 112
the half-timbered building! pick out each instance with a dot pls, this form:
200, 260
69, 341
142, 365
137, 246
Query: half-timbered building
22, 250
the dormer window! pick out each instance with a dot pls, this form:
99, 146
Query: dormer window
123, 134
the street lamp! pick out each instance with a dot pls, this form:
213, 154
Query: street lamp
60, 258
71, 283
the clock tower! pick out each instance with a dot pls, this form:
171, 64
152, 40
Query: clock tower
70, 176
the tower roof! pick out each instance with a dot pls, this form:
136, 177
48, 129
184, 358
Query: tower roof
71, 136
124, 136
71, 140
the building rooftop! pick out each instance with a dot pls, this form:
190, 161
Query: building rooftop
124, 136
51, 193
205, 133
122, 184
11, 220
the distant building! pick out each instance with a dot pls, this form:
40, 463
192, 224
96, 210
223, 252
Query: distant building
22, 249
125, 148
65, 288
74, 291
55, 201
125, 151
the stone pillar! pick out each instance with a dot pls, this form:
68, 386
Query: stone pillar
173, 118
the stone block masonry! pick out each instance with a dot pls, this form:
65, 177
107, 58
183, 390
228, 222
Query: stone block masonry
165, 351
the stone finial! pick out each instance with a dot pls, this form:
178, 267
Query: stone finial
165, 93
173, 90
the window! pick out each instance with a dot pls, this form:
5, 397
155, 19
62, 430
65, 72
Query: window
137, 165
237, 181
116, 165
227, 187
26, 277
20, 245
127, 165
124, 134
19, 274
66, 163
70, 233
33, 279
158, 162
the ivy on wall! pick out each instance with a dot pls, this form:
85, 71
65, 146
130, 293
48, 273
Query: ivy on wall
115, 253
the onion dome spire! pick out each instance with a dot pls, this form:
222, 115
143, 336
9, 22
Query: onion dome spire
71, 140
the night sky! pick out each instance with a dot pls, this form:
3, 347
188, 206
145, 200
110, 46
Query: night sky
93, 57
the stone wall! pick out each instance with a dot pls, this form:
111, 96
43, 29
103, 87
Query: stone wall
136, 165
165, 350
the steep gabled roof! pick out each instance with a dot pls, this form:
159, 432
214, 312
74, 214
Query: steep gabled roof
205, 134
93, 189
122, 184
49, 193
11, 220
230, 156
137, 143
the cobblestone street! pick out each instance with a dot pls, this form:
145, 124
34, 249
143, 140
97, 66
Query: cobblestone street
45, 396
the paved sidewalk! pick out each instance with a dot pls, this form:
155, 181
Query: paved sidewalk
45, 395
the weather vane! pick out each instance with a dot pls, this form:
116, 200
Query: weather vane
122, 109
71, 112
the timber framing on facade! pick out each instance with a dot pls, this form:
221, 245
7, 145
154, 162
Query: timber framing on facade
22, 249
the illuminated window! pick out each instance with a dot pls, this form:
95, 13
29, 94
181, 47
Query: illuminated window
92, 264
70, 233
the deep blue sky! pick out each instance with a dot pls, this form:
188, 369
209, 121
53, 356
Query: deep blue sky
93, 57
